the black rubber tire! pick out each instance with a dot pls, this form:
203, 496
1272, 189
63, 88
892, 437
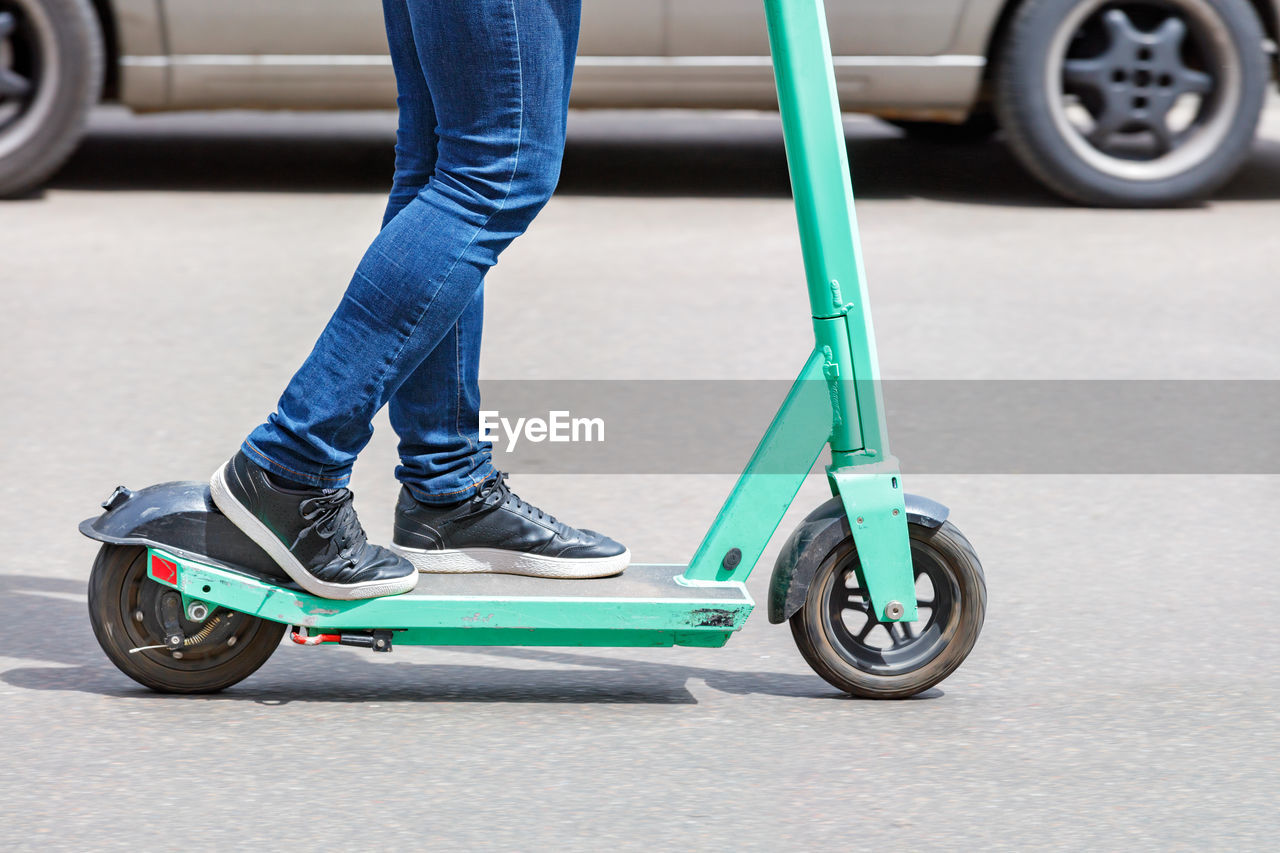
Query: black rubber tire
1024, 113
977, 128
118, 565
948, 549
73, 28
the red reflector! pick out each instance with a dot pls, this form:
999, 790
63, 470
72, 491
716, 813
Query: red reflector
164, 570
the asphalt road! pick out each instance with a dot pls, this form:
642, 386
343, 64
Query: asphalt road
1123, 693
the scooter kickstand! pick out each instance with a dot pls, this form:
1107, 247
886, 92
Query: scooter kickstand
378, 641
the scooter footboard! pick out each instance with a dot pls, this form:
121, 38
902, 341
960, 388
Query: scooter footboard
649, 605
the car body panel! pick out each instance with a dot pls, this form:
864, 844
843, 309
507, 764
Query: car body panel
144, 76
297, 53
977, 25
857, 27
288, 27
906, 58
244, 53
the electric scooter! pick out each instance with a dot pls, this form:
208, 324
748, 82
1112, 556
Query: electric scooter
885, 597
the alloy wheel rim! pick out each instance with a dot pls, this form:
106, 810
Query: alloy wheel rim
16, 85
891, 648
1143, 91
28, 71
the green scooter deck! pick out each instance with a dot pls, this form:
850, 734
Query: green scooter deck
657, 606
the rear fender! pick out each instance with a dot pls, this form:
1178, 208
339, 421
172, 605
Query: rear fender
179, 517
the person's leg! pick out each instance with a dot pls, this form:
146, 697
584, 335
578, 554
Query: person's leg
436, 413
497, 73
436, 410
455, 512
416, 139
314, 533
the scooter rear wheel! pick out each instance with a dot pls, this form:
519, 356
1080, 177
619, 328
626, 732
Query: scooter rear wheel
852, 650
126, 606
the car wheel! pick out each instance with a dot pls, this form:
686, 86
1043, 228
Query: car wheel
1131, 103
50, 76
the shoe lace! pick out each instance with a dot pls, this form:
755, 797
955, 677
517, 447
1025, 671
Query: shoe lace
498, 485
333, 517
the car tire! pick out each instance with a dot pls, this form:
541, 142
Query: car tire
1082, 85
51, 66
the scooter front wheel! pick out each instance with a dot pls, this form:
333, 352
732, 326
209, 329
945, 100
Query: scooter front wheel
128, 610
845, 644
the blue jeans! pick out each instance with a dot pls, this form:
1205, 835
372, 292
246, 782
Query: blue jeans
483, 97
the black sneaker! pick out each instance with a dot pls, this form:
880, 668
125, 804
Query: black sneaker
314, 535
495, 531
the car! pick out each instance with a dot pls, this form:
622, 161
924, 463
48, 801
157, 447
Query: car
1142, 103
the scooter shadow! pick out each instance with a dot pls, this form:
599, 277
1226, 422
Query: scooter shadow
30, 606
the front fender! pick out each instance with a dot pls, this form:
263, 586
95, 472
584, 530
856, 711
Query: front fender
816, 537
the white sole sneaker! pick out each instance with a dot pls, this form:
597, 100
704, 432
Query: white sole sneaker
250, 526
498, 561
